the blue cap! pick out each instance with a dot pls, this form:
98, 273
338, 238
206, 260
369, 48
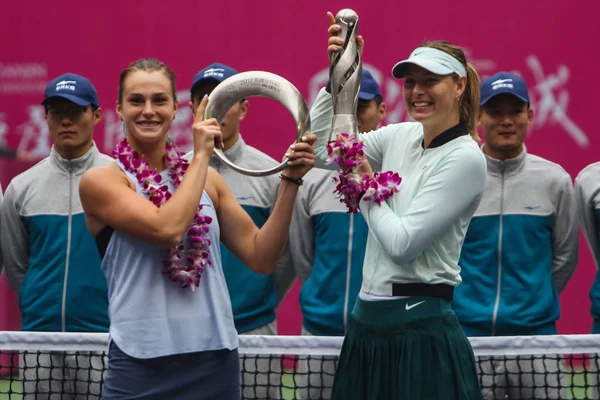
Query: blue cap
74, 88
215, 73
501, 83
369, 88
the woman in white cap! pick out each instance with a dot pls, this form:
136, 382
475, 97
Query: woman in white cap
403, 339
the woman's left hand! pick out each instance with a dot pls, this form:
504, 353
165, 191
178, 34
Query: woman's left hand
301, 157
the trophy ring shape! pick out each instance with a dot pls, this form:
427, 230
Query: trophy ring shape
252, 84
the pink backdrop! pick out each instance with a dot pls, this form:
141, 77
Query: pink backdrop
554, 47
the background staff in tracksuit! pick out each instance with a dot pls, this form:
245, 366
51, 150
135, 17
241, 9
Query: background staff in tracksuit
587, 194
328, 252
522, 245
50, 258
254, 297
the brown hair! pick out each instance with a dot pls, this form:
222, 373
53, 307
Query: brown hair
469, 100
147, 64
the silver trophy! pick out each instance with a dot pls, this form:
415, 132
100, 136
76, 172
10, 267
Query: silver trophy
345, 71
257, 83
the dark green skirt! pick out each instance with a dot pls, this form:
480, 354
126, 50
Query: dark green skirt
411, 348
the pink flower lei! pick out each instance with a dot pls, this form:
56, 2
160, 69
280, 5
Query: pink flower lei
187, 273
352, 186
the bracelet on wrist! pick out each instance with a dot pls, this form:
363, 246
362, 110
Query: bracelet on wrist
298, 181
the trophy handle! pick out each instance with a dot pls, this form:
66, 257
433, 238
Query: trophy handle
252, 84
345, 72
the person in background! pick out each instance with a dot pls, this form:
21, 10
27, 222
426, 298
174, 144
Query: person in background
50, 258
521, 247
587, 195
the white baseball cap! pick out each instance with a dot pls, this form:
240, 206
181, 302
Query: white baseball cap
433, 60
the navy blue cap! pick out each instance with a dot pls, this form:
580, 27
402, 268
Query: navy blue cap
215, 72
369, 88
74, 88
503, 82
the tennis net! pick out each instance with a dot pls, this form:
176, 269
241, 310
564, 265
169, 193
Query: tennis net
50, 365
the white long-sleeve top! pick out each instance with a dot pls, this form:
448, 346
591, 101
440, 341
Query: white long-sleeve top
416, 235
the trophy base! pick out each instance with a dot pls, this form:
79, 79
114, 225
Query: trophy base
343, 123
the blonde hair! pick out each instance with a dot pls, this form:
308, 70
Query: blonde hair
469, 100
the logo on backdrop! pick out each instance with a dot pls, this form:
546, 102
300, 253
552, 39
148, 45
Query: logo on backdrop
3, 129
23, 78
34, 133
548, 94
551, 100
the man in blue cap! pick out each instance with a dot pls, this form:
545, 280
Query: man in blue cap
254, 297
371, 108
521, 247
203, 84
328, 249
50, 258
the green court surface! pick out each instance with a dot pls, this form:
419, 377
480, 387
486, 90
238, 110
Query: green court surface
16, 389
6, 390
579, 392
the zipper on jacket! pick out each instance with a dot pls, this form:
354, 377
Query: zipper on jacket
500, 226
68, 257
348, 270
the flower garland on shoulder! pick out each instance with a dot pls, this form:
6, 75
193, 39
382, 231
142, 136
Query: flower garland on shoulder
353, 186
188, 272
